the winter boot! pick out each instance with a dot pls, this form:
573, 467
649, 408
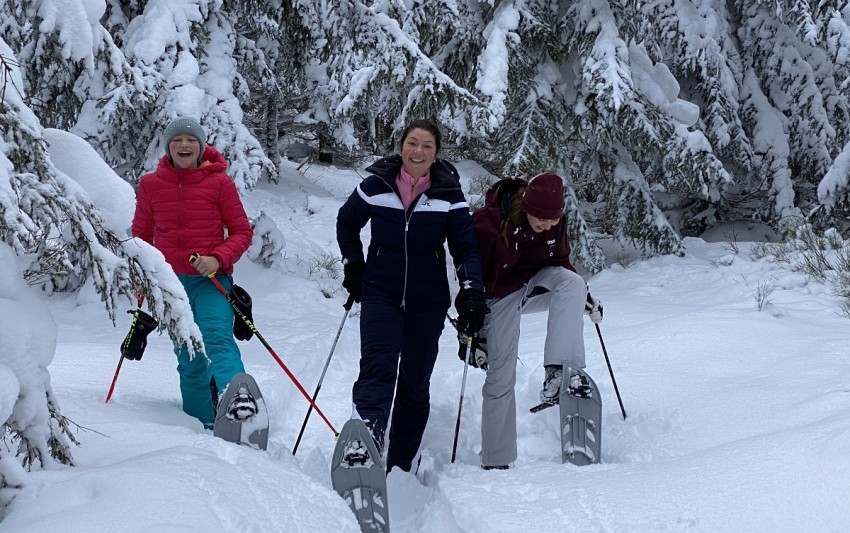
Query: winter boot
356, 452
242, 406
552, 384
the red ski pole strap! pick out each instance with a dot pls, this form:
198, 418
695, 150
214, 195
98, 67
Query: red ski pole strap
123, 354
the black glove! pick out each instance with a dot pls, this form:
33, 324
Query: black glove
471, 307
353, 280
136, 340
479, 351
242, 300
593, 309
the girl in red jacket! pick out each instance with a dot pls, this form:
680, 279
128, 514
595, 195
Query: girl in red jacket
525, 257
183, 208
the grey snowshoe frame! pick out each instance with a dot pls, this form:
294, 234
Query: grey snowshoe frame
254, 431
363, 485
581, 423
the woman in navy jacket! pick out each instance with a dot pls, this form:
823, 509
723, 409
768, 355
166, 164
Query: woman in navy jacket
415, 205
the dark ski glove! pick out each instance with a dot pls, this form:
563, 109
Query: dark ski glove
593, 309
471, 308
136, 340
479, 351
242, 300
353, 280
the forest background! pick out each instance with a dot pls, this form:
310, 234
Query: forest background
667, 118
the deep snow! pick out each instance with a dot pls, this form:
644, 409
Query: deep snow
738, 418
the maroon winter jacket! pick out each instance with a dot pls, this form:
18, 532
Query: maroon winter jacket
185, 211
509, 266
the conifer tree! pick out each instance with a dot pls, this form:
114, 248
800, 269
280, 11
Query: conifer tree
269, 75
59, 43
28, 206
690, 113
191, 72
49, 222
369, 74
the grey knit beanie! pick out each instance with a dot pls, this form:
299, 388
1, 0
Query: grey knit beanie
184, 125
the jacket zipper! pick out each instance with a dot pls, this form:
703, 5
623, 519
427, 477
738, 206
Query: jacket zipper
407, 217
181, 214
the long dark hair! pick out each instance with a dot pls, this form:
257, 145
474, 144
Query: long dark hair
516, 214
422, 124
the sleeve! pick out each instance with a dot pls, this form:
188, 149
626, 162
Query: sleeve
463, 245
351, 218
143, 224
488, 241
239, 232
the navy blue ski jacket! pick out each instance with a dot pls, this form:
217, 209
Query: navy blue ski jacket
406, 263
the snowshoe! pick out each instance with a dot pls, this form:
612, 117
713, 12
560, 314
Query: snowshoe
241, 416
581, 420
358, 476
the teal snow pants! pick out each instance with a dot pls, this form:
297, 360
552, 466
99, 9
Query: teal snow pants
214, 317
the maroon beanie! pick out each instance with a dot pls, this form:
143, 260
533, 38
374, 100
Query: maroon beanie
544, 197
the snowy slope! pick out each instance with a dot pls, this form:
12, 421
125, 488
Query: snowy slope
738, 418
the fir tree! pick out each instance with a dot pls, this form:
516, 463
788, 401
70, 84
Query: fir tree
269, 77
716, 111
27, 208
788, 82
370, 76
192, 72
49, 222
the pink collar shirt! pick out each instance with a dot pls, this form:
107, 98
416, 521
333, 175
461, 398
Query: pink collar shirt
409, 188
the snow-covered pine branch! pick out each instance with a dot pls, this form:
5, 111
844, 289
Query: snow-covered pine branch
639, 220
53, 235
370, 76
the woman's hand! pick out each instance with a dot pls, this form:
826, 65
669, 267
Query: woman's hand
206, 265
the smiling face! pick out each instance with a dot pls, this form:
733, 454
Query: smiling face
418, 152
185, 150
540, 224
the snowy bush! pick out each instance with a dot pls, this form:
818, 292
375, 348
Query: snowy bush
31, 426
53, 236
268, 241
823, 257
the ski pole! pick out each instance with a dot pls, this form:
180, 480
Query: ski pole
611, 371
121, 359
274, 355
347, 305
467, 357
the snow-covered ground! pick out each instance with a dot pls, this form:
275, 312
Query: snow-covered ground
738, 418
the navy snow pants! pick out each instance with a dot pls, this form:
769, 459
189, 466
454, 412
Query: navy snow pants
397, 344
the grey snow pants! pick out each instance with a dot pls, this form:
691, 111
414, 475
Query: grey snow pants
565, 298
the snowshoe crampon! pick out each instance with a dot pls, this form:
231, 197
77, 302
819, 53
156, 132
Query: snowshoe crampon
358, 476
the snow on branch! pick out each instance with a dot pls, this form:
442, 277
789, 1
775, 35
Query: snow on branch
639, 219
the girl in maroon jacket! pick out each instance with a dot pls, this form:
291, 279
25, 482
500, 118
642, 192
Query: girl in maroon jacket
525, 251
183, 208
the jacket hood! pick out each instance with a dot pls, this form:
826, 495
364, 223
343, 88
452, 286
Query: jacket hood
500, 196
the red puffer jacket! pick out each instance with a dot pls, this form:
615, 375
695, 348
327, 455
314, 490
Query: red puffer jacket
185, 211
509, 265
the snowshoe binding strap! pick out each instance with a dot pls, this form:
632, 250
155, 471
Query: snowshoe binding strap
242, 406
